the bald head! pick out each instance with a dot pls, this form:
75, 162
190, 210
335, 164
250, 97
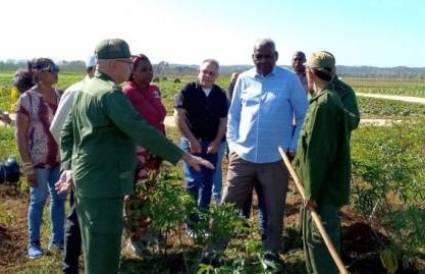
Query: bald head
264, 56
264, 42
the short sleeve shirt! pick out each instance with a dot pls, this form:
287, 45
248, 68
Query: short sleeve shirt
43, 148
203, 112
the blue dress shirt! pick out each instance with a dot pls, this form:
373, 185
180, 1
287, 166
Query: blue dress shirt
262, 112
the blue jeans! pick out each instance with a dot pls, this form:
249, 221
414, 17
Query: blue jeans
46, 179
262, 214
199, 183
217, 178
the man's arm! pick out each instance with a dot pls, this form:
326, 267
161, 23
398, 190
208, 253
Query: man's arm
64, 107
350, 104
215, 144
234, 115
181, 122
298, 100
123, 115
349, 101
66, 143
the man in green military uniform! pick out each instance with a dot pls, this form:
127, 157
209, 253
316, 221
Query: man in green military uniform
98, 143
348, 99
323, 161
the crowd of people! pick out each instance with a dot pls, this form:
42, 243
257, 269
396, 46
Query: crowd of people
116, 114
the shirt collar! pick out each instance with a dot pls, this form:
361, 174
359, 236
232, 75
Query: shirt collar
253, 72
103, 76
198, 86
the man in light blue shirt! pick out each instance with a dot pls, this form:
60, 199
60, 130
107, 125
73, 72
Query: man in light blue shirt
265, 101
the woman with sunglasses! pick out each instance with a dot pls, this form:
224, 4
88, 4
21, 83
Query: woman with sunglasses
146, 99
39, 152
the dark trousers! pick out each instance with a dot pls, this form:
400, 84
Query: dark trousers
273, 178
317, 257
101, 223
72, 248
200, 183
262, 214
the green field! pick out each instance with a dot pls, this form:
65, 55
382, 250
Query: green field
387, 201
393, 86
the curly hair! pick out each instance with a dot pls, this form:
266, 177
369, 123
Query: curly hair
23, 80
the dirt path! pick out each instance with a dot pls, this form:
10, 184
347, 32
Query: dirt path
409, 99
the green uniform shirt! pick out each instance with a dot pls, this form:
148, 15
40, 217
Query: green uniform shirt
349, 101
323, 154
99, 138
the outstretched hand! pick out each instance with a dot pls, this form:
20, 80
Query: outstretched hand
310, 205
196, 162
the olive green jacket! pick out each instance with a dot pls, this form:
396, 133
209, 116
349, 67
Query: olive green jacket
323, 153
99, 137
349, 101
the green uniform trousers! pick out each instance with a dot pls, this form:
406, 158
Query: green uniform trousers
101, 224
317, 257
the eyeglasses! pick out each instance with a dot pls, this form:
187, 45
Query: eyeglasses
263, 56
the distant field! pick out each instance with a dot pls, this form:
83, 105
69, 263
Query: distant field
171, 84
395, 86
386, 212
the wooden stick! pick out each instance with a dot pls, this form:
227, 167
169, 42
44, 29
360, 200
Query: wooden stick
316, 218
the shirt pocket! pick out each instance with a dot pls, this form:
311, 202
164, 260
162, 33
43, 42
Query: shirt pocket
250, 97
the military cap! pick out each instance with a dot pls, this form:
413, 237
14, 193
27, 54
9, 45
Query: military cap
112, 49
321, 60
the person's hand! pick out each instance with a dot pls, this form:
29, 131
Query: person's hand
63, 185
5, 118
310, 205
195, 146
30, 172
196, 162
32, 179
290, 154
213, 147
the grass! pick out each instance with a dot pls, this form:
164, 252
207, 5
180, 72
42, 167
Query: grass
393, 86
13, 206
381, 108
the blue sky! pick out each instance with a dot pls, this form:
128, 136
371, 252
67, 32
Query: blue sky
374, 32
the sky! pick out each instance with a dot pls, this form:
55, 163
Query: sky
358, 32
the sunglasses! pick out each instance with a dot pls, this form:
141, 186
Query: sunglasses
51, 69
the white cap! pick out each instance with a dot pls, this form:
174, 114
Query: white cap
91, 61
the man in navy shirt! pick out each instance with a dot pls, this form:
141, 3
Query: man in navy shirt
201, 115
